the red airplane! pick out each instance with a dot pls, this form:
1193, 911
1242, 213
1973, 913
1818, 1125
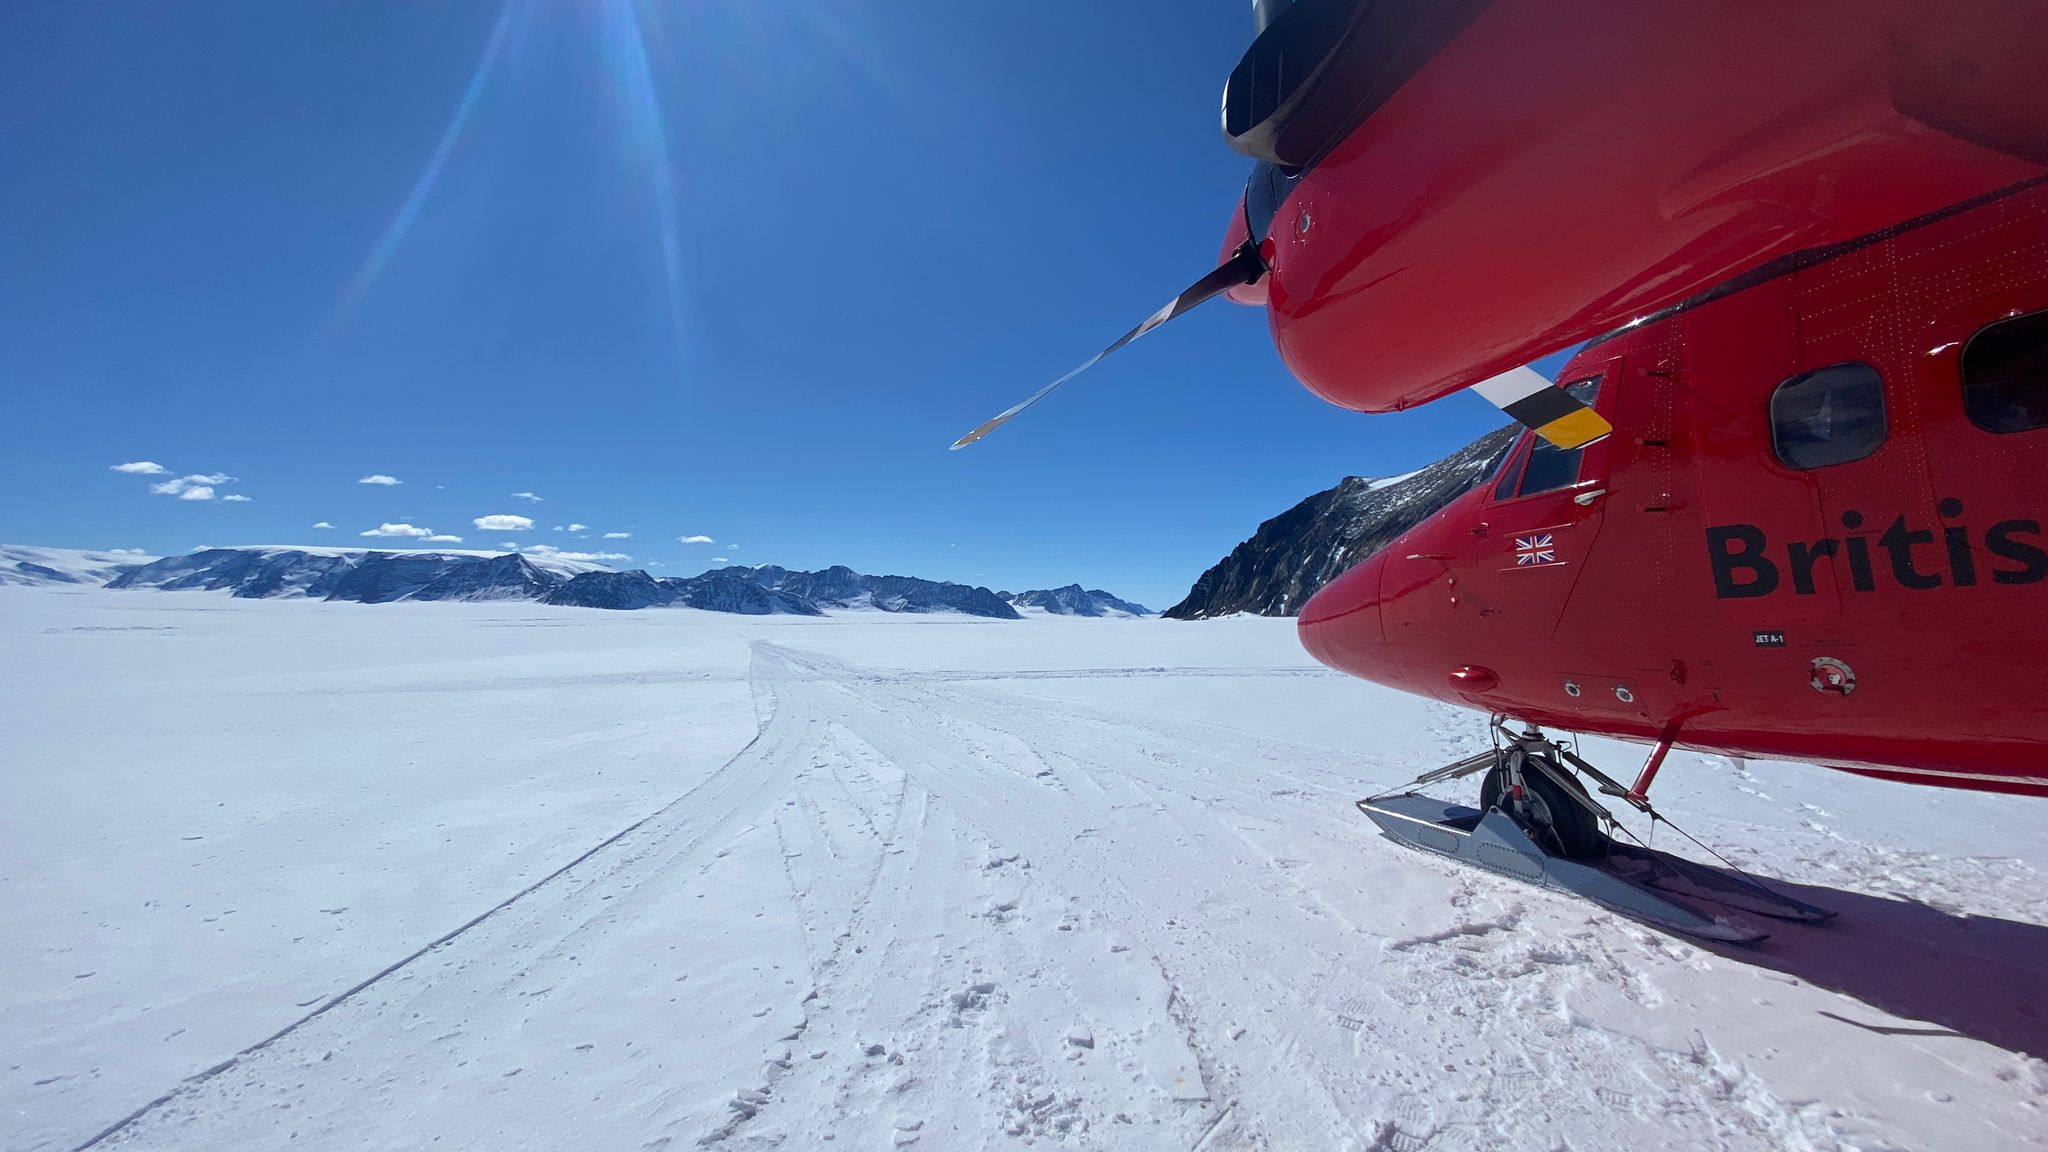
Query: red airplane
1780, 503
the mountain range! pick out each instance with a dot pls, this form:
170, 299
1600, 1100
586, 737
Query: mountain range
1295, 553
372, 576
368, 576
1273, 573
1074, 601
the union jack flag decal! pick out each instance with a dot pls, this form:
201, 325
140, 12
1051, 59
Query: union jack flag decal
1534, 551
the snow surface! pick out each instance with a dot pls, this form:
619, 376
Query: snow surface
493, 876
1033, 610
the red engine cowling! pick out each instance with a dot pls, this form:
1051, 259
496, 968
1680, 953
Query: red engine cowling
1560, 168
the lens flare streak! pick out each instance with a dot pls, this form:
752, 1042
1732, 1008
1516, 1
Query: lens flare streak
629, 64
394, 233
632, 76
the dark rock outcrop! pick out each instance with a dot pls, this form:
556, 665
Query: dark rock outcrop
44, 574
382, 577
842, 587
621, 591
1295, 553
371, 577
719, 590
250, 573
735, 590
837, 586
507, 577
909, 594
1073, 600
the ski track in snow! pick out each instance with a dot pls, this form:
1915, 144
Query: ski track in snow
935, 908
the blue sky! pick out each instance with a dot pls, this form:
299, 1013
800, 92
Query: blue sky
738, 269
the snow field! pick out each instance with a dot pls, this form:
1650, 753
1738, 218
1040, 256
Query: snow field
881, 882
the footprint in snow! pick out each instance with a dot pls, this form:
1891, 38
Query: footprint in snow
1352, 1013
1409, 1128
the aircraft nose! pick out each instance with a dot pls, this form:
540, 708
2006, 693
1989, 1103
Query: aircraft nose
1341, 625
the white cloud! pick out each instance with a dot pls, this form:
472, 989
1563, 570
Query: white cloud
733, 547
126, 552
618, 535
550, 552
323, 524
380, 479
720, 560
140, 468
527, 496
503, 522
695, 540
236, 499
400, 530
183, 486
579, 527
442, 538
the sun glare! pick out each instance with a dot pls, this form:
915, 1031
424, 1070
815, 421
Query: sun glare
631, 71
623, 31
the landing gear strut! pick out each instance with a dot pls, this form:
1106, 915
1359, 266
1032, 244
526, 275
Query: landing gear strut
1536, 822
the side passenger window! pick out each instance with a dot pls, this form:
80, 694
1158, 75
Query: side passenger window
1828, 416
2005, 375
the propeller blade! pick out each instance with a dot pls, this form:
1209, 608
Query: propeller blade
1243, 267
1555, 414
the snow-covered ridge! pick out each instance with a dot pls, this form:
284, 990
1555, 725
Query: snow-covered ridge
24, 564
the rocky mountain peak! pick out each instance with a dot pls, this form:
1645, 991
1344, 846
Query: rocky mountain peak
1295, 553
1074, 600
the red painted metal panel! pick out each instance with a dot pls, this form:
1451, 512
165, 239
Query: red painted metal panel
1566, 166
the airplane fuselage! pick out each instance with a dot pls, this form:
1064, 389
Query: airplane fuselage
1819, 531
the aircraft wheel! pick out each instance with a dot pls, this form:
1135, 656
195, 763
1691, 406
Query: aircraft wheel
1562, 822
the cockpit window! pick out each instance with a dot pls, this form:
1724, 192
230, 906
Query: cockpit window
1510, 469
1499, 463
1551, 467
